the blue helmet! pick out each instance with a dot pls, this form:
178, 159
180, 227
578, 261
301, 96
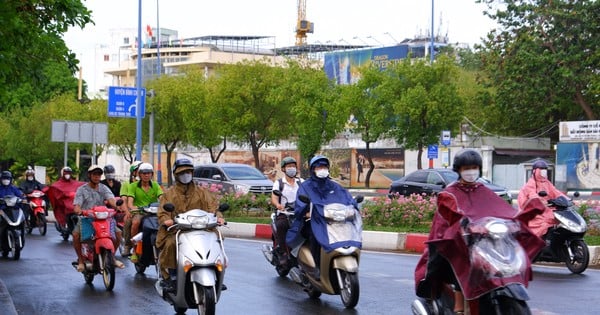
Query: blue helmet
318, 160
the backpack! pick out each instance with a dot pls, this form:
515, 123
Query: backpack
281, 185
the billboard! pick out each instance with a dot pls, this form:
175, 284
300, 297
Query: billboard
581, 163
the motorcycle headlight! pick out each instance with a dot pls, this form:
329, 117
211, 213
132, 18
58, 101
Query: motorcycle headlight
11, 201
101, 215
198, 222
497, 230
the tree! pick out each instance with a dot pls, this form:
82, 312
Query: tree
371, 109
35, 62
543, 61
425, 101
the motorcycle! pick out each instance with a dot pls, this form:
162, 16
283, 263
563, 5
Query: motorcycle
97, 245
201, 262
273, 252
12, 226
37, 215
338, 268
492, 267
61, 195
146, 253
564, 241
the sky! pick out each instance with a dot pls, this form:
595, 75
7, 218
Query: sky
373, 22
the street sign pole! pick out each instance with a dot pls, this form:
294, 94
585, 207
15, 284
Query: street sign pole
138, 125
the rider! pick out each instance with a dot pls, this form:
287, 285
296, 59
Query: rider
184, 195
88, 196
141, 193
288, 186
536, 183
321, 189
6, 189
133, 176
473, 200
29, 185
110, 180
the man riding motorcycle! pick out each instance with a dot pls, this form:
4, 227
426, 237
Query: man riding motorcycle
7, 188
27, 186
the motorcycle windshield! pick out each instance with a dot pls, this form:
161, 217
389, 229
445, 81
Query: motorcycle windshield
337, 225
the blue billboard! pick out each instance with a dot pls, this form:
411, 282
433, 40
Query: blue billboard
581, 162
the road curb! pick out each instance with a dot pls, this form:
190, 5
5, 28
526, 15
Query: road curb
7, 307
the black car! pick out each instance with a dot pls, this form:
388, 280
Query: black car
432, 181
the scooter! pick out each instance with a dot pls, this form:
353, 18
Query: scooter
493, 265
146, 253
273, 252
12, 226
37, 217
97, 245
564, 241
61, 195
201, 262
338, 269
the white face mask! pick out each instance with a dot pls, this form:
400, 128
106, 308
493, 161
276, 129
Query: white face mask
6, 182
29, 177
544, 173
323, 173
185, 178
67, 176
469, 176
291, 172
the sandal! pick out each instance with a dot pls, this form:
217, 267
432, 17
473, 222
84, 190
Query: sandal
119, 264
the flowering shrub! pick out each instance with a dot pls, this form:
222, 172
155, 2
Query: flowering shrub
590, 210
412, 211
242, 205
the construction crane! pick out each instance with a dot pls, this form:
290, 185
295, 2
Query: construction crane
302, 25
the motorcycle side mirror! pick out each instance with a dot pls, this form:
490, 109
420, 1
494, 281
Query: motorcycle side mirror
304, 198
542, 194
359, 198
576, 194
223, 207
169, 207
277, 193
119, 202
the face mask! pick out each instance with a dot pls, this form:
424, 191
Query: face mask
67, 176
544, 173
30, 178
5, 182
291, 172
469, 176
324, 173
185, 178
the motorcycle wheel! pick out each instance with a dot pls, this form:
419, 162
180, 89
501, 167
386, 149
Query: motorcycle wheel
89, 277
108, 272
282, 271
42, 224
312, 292
209, 303
506, 306
13, 240
581, 257
350, 290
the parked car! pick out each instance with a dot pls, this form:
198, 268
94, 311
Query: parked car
432, 181
233, 177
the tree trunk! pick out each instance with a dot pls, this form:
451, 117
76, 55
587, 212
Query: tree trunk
589, 113
371, 165
169, 148
419, 155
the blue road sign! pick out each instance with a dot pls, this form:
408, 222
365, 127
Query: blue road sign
122, 101
432, 151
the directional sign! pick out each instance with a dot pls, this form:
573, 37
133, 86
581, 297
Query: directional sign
122, 101
432, 151
446, 138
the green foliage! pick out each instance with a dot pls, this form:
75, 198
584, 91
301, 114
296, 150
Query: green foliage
590, 210
247, 205
401, 212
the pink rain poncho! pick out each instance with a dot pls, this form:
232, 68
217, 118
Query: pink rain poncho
541, 223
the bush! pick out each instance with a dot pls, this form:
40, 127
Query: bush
401, 212
243, 205
590, 211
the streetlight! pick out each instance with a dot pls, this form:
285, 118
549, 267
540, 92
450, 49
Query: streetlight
362, 40
375, 39
392, 37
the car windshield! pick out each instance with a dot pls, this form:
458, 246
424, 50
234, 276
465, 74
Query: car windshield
237, 172
449, 177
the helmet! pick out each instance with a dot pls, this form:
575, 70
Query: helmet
287, 160
145, 168
64, 170
540, 164
6, 175
29, 171
94, 168
467, 157
318, 160
134, 166
109, 171
181, 165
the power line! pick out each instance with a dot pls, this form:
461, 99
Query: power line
530, 135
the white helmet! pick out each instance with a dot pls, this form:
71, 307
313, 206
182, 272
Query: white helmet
145, 168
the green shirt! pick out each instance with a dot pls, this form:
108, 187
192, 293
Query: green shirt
142, 198
124, 189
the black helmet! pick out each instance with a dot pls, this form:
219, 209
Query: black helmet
467, 157
287, 160
318, 160
181, 165
6, 175
109, 169
540, 164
